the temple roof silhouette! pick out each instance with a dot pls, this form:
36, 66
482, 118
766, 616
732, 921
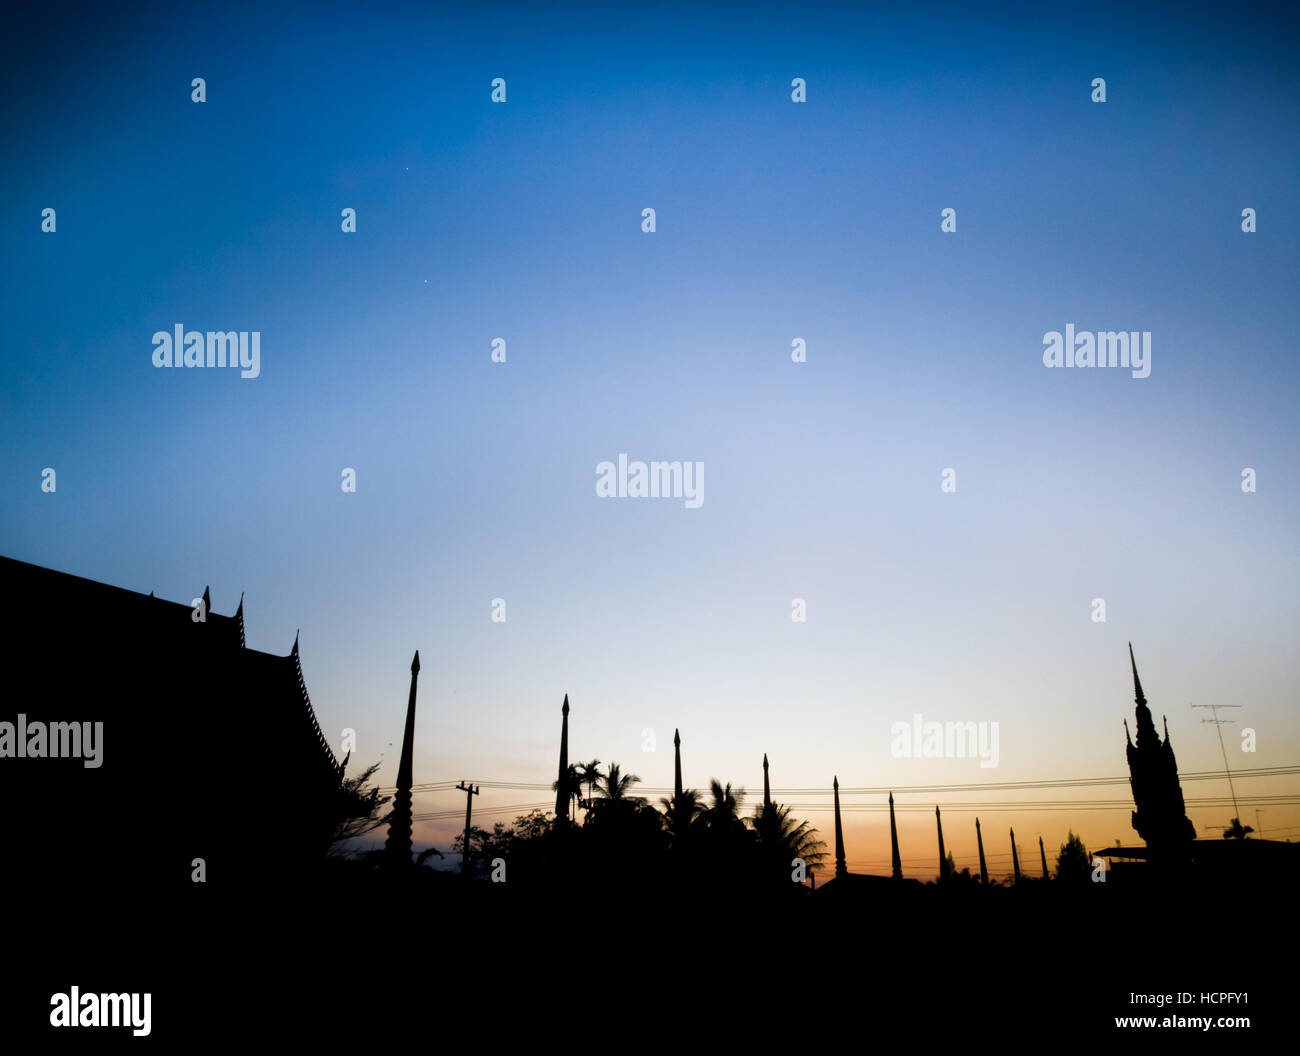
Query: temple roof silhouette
208, 745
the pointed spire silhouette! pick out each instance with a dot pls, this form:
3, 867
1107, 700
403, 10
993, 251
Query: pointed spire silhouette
1043, 854
1015, 858
1138, 698
1146, 727
943, 858
207, 603
562, 781
1160, 818
979, 838
398, 844
677, 765
767, 789
897, 871
841, 866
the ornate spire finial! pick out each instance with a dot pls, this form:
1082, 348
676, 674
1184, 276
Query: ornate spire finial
979, 839
398, 844
1138, 698
841, 865
943, 858
677, 767
897, 870
562, 790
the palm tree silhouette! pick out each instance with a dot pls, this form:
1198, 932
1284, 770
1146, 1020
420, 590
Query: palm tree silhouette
617, 784
681, 812
723, 814
590, 775
785, 838
572, 786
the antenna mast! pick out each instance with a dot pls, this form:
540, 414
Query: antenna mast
1219, 724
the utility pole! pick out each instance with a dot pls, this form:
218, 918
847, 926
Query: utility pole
470, 792
1219, 724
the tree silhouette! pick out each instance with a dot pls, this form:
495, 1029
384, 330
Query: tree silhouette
782, 838
572, 786
723, 813
484, 846
1073, 866
616, 784
681, 812
589, 774
356, 809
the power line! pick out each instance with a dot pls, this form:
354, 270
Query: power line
899, 790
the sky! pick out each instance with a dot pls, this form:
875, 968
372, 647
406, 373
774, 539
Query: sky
774, 221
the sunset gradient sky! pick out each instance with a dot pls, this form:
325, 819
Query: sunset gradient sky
774, 221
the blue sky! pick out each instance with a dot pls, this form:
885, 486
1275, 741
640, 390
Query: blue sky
775, 220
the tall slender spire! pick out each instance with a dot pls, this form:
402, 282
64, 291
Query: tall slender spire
1015, 858
943, 858
562, 790
1138, 697
677, 765
767, 788
979, 838
1146, 727
398, 844
1043, 854
841, 866
897, 871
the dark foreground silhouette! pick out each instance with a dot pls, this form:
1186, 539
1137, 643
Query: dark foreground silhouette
608, 910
